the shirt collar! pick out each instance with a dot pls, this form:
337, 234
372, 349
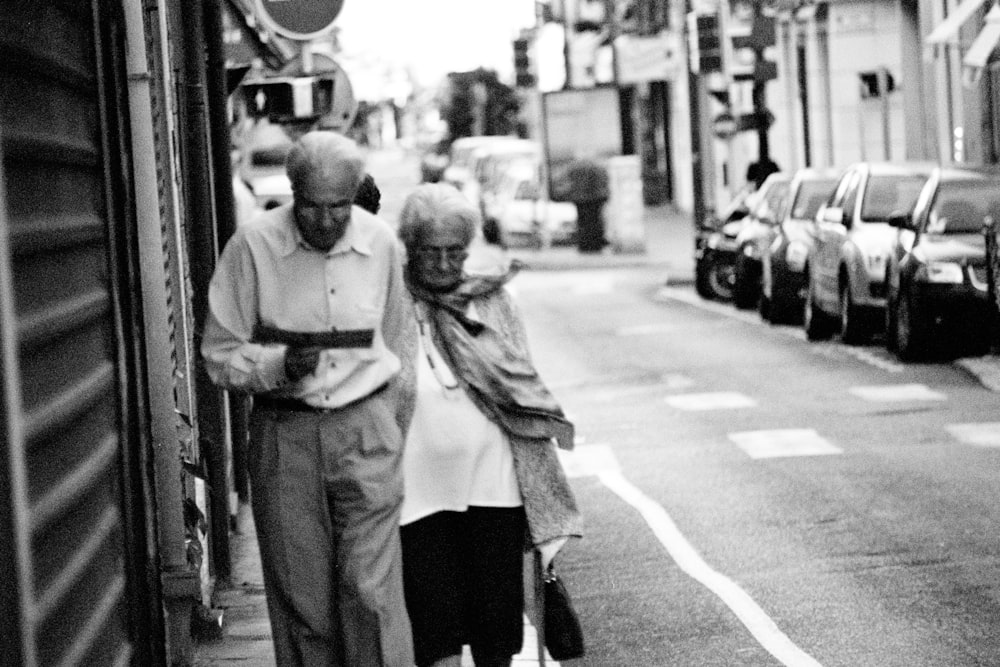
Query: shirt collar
357, 237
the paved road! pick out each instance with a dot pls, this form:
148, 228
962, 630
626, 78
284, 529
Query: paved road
755, 499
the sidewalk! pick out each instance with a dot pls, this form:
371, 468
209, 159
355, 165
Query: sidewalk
669, 245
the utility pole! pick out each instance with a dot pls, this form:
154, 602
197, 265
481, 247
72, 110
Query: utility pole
695, 92
759, 94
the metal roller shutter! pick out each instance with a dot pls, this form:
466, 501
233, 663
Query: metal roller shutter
65, 468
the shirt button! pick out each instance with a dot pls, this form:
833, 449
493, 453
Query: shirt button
333, 291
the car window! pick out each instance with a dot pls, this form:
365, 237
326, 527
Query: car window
810, 197
527, 190
887, 194
273, 156
772, 204
850, 200
837, 198
961, 206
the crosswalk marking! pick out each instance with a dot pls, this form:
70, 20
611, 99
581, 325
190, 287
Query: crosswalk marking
587, 460
783, 443
719, 400
985, 434
897, 393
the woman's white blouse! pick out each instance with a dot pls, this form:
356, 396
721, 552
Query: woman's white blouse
454, 456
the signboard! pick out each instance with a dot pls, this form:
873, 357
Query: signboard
580, 123
642, 59
301, 20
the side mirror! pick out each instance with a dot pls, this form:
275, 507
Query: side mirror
900, 220
833, 215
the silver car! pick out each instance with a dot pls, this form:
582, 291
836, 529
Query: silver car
852, 240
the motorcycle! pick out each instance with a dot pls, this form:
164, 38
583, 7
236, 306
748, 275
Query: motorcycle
716, 249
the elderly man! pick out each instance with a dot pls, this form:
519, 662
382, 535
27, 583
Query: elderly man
307, 314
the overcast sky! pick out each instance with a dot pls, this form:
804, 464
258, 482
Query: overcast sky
435, 36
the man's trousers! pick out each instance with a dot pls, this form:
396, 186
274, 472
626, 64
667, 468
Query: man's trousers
326, 491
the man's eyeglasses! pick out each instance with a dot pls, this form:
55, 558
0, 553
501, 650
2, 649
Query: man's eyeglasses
452, 253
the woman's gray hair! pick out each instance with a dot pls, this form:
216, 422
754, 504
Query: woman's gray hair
323, 154
433, 206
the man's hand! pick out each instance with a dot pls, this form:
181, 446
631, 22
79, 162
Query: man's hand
301, 361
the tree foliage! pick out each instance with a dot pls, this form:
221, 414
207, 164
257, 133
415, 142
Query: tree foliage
478, 103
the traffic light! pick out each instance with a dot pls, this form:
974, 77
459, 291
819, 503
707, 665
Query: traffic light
871, 86
523, 76
747, 62
704, 43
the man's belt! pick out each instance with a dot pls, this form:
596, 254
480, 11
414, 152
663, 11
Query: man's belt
265, 402
338, 338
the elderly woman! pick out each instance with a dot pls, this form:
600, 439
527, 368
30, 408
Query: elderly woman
482, 480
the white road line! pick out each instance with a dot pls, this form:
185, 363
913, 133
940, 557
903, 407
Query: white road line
783, 443
756, 620
719, 400
985, 434
897, 393
600, 460
823, 349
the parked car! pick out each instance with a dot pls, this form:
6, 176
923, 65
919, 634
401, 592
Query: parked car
937, 279
852, 240
263, 170
783, 261
460, 159
715, 247
523, 211
755, 235
475, 160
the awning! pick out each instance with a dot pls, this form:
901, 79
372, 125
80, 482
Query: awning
979, 52
946, 29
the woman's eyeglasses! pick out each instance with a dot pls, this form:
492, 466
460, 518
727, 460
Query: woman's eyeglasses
452, 253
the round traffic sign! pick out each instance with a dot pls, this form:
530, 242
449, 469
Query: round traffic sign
724, 125
299, 19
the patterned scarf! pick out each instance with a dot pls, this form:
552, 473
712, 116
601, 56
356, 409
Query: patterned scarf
498, 375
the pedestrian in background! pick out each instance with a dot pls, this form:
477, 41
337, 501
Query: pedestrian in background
369, 197
307, 312
586, 184
483, 482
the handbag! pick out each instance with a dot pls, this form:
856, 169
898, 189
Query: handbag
561, 626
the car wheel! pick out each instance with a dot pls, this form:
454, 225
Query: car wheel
817, 324
746, 286
853, 329
719, 279
701, 284
890, 321
911, 331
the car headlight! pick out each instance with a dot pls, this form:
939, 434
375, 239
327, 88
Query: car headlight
796, 255
713, 241
944, 272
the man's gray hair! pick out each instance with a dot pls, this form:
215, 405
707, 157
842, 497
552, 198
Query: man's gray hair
323, 154
433, 206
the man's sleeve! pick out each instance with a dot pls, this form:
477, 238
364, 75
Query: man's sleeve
231, 360
399, 334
